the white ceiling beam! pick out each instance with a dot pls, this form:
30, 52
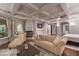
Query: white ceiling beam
65, 7
21, 13
14, 8
34, 13
6, 14
38, 10
32, 6
46, 13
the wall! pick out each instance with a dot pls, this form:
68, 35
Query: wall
29, 25
75, 28
32, 26
42, 31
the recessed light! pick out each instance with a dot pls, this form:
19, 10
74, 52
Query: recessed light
58, 24
58, 18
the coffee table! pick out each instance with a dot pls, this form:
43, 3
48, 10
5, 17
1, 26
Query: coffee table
31, 51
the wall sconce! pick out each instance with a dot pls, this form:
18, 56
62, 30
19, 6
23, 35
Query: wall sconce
58, 24
71, 23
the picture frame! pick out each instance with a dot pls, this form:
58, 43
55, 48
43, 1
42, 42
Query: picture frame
39, 25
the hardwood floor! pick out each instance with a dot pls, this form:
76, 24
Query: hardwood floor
4, 46
70, 52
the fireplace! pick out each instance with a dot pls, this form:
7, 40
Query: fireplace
29, 33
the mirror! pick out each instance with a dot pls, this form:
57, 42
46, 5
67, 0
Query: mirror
3, 27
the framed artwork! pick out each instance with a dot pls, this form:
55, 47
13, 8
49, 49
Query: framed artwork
39, 25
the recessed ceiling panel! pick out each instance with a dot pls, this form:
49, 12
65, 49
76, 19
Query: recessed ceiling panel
39, 5
6, 6
41, 15
25, 9
72, 5
52, 8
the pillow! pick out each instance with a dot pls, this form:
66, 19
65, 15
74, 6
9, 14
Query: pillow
57, 40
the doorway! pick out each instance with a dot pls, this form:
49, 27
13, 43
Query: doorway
54, 29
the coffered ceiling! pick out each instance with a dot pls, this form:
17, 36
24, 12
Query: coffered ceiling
44, 11
71, 9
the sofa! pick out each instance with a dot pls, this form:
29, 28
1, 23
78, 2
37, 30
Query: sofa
54, 44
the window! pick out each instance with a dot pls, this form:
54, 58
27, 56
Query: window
18, 27
3, 27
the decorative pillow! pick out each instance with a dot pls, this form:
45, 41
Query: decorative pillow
57, 40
